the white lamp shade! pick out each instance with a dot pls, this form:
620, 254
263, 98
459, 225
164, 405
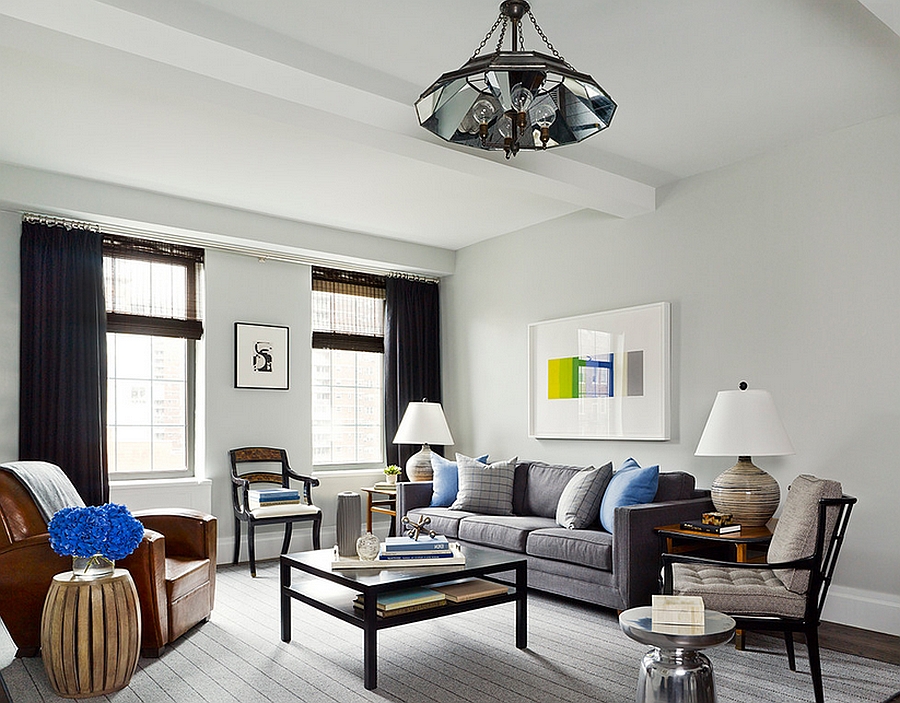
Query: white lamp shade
744, 423
423, 423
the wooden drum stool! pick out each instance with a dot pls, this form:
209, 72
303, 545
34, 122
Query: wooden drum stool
90, 634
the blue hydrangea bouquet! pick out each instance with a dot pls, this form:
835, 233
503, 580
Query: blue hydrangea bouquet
96, 533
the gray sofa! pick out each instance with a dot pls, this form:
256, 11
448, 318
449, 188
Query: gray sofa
618, 570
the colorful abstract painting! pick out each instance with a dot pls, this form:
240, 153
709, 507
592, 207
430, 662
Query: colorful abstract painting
601, 376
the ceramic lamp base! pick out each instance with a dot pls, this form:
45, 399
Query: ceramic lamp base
747, 492
418, 466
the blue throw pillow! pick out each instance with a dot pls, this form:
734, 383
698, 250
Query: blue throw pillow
630, 485
445, 483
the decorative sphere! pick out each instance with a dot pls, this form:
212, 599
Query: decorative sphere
367, 547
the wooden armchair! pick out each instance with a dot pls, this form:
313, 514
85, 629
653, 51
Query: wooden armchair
787, 594
248, 469
174, 570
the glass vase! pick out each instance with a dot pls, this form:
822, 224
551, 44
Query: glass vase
97, 566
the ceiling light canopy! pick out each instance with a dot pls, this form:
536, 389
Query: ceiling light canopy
515, 99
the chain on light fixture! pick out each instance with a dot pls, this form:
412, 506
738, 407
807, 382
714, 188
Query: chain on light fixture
515, 99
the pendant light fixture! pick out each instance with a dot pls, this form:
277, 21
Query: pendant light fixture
516, 99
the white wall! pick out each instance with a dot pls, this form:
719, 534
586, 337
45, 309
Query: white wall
782, 271
10, 228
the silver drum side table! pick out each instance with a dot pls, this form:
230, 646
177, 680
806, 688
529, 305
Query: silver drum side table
674, 670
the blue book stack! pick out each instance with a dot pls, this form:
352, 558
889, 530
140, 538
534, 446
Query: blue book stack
274, 496
407, 548
423, 544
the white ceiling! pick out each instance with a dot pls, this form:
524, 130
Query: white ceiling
302, 109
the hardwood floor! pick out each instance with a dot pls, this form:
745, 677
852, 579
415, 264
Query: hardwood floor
863, 643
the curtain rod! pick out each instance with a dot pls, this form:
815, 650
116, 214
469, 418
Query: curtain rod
261, 253
52, 221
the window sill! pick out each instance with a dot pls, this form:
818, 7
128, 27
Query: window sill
159, 482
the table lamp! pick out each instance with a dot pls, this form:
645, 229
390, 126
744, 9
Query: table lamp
423, 423
744, 423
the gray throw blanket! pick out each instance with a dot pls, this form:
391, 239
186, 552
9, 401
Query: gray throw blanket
47, 484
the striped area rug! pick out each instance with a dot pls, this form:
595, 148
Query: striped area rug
576, 654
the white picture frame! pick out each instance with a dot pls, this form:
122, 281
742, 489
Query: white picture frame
601, 376
261, 356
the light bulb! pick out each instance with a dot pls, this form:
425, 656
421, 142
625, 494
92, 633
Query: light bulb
507, 130
468, 124
544, 115
483, 110
520, 97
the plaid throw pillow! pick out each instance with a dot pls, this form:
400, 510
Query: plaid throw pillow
579, 504
484, 488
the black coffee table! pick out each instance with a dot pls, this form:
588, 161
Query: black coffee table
371, 583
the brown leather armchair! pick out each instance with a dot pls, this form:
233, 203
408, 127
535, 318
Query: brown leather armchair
174, 570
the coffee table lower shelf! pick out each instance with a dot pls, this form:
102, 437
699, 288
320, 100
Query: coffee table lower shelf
333, 591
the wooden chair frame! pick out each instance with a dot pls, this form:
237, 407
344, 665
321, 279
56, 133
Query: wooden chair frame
240, 496
820, 565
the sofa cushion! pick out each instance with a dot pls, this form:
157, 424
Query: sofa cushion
579, 504
484, 488
501, 531
630, 485
795, 533
444, 521
445, 483
591, 548
539, 487
674, 485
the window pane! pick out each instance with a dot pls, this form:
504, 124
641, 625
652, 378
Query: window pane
147, 400
347, 407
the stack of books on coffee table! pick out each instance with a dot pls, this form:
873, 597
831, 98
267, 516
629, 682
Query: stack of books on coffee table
395, 548
401, 602
405, 552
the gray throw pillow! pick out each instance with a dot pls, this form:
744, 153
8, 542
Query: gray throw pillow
579, 504
795, 533
484, 488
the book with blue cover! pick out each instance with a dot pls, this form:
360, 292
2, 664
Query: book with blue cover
275, 495
433, 554
423, 544
406, 598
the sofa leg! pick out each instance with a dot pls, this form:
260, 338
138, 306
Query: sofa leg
152, 652
28, 651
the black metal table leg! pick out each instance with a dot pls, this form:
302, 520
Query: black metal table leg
285, 602
370, 643
521, 606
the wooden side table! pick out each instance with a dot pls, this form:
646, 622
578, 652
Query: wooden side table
91, 634
678, 540
384, 506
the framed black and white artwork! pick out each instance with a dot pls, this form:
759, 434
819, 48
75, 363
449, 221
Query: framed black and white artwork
261, 356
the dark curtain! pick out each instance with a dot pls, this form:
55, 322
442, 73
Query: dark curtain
412, 355
62, 355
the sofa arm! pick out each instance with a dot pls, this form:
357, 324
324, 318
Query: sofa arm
636, 551
189, 533
412, 495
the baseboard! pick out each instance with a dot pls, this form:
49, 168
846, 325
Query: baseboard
879, 612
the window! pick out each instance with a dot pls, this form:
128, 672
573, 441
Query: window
153, 323
347, 368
